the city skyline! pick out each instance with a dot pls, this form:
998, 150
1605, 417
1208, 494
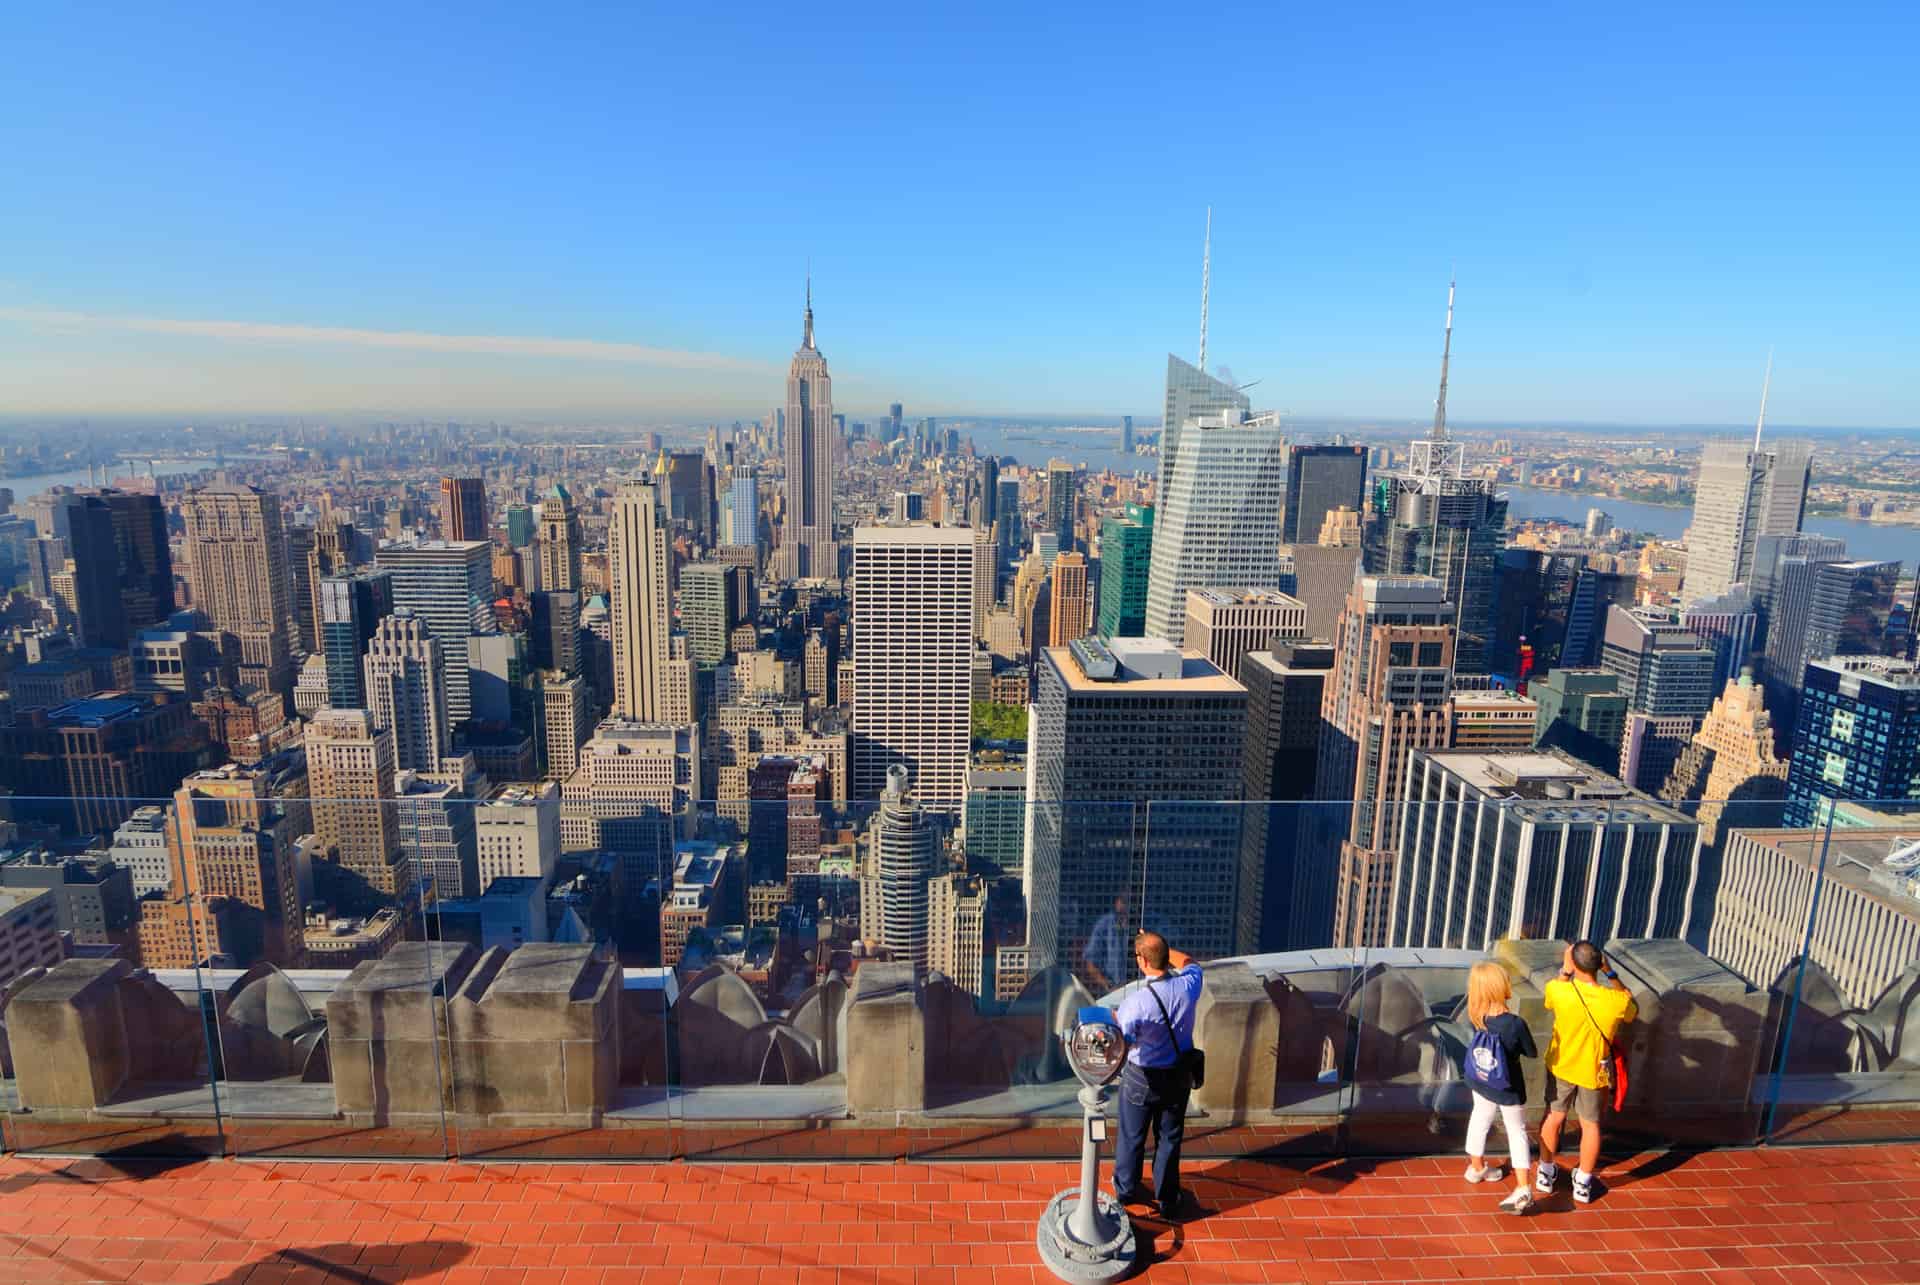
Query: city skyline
631, 269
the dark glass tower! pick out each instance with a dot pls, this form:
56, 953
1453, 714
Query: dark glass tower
1320, 479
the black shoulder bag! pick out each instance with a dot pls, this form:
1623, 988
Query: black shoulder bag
1191, 1060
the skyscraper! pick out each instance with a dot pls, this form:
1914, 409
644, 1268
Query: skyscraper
913, 596
1387, 695
1072, 606
1728, 625
144, 564
1743, 493
1857, 737
1667, 675
1731, 763
406, 691
1535, 845
743, 510
1224, 624
559, 541
448, 586
556, 630
688, 494
1219, 523
904, 852
1126, 547
986, 577
1582, 712
637, 574
232, 838
1321, 479
351, 608
1284, 690
350, 779
1434, 520
1126, 434
236, 552
1134, 747
463, 508
707, 608
807, 543
1593, 592
96, 574
1063, 500
520, 527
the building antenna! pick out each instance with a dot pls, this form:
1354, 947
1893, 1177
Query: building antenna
1206, 276
1765, 385
1446, 355
806, 339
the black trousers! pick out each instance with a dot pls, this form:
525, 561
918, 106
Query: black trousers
1155, 1096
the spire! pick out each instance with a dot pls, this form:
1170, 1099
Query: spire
1765, 384
1446, 355
806, 338
1206, 274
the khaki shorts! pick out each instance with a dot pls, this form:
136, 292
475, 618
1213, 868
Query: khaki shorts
1583, 1102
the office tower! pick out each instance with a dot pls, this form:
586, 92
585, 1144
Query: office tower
986, 578
517, 833
1192, 394
555, 630
1727, 624
94, 568
351, 608
913, 598
1854, 611
957, 930
807, 546
1533, 597
1135, 746
46, 558
559, 541
82, 766
1063, 497
140, 847
1220, 521
1046, 546
1007, 514
1666, 673
1593, 593
434, 827
637, 569
1491, 719
1071, 611
1582, 712
566, 720
708, 602
909, 506
1730, 762
326, 549
499, 668
685, 482
1321, 479
448, 586
406, 691
636, 782
1285, 686
143, 567
1857, 737
903, 856
743, 510
232, 838
1533, 846
93, 898
236, 553
1126, 548
893, 420
1387, 695
996, 811
463, 508
1320, 577
350, 771
1744, 492
1126, 434
1225, 624
520, 526
1834, 897
1599, 522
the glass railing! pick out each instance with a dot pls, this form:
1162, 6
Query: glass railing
538, 976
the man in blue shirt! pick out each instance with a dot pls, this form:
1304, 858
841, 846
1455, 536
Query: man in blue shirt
1157, 1019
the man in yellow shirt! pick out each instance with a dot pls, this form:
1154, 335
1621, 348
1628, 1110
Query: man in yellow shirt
1589, 1006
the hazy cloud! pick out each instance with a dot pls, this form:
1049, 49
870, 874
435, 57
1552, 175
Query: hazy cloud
403, 340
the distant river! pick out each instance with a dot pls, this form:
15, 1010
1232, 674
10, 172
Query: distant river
1864, 539
33, 483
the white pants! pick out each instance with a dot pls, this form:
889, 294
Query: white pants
1513, 1119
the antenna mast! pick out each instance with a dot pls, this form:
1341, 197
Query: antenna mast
1446, 355
1765, 385
1206, 280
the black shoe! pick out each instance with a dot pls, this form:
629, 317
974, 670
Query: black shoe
1181, 1206
1136, 1199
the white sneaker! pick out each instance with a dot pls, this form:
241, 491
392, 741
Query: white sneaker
1545, 1176
1488, 1173
1518, 1202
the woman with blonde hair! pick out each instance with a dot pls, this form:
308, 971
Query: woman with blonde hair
1492, 1070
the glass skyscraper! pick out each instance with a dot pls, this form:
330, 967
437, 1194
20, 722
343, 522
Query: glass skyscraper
1126, 549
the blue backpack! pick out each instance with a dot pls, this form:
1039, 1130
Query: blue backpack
1486, 1063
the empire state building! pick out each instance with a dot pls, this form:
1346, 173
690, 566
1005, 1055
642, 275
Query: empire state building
806, 538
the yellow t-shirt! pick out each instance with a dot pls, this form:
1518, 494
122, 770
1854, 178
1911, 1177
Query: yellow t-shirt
1579, 1040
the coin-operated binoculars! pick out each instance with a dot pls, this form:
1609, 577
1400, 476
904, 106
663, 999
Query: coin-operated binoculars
1084, 1234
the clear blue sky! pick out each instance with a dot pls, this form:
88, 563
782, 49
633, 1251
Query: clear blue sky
1003, 206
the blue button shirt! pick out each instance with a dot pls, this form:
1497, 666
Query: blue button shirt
1150, 1044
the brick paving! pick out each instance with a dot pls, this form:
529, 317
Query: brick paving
1840, 1214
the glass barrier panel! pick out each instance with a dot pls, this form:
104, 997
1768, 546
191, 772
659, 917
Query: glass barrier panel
102, 1057
1829, 916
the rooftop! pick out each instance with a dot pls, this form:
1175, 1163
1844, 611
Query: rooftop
1143, 669
1812, 1214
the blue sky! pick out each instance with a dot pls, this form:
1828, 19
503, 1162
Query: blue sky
1003, 207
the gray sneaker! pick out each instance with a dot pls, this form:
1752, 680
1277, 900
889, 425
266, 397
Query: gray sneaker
1545, 1176
1519, 1201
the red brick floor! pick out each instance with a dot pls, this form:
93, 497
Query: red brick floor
1806, 1214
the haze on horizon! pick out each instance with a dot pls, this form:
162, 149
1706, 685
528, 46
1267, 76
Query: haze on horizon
611, 215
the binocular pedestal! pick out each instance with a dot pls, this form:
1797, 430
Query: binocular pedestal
1085, 1235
